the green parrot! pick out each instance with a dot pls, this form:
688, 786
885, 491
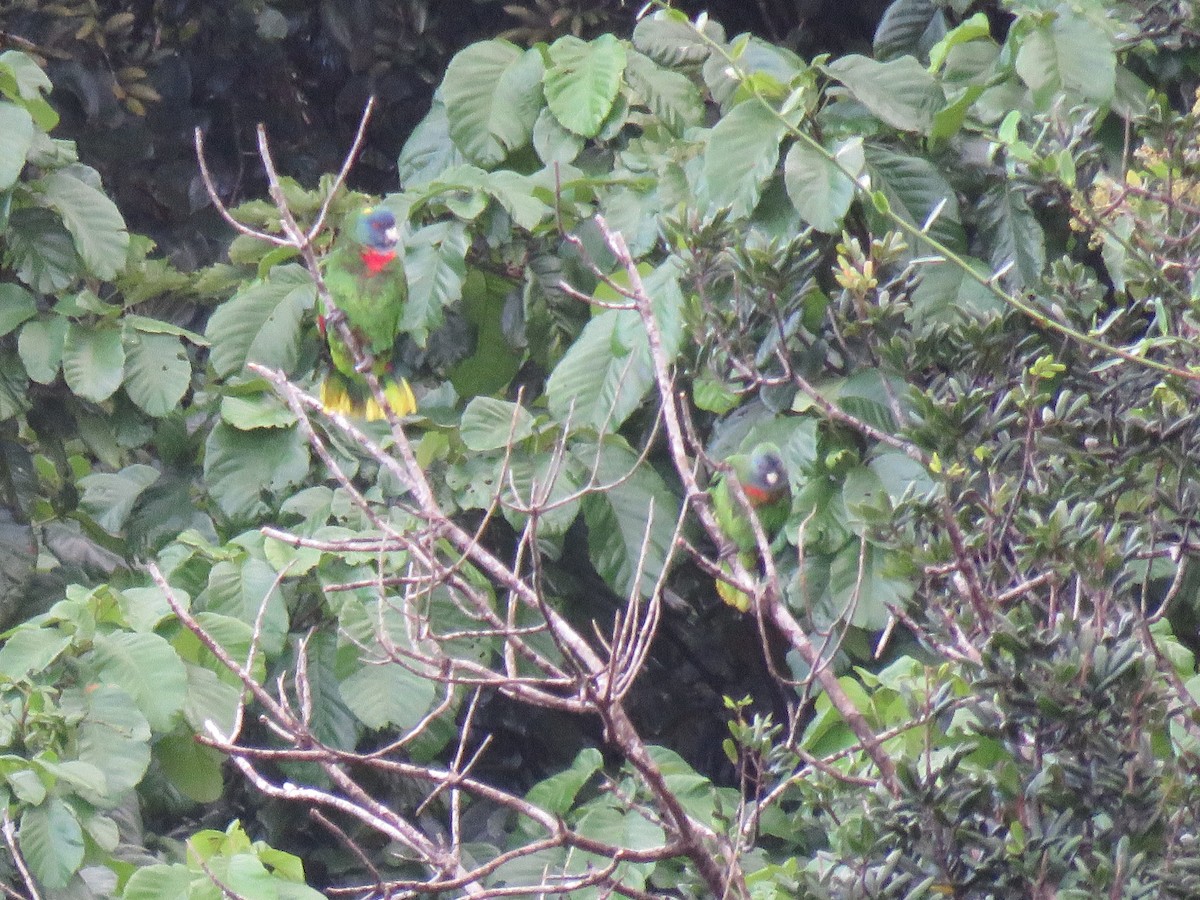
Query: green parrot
365, 277
764, 479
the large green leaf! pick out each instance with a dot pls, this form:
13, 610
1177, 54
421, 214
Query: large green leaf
489, 424
93, 220
742, 152
114, 736
819, 189
632, 523
1012, 234
240, 467
109, 497
17, 306
946, 295
157, 371
492, 97
435, 265
194, 769
241, 589
40, 345
915, 189
900, 93
582, 81
604, 376
261, 323
670, 39
16, 135
40, 250
429, 151
907, 27
864, 580
146, 667
388, 695
557, 793
51, 840
671, 96
93, 361
31, 649
162, 882
1068, 55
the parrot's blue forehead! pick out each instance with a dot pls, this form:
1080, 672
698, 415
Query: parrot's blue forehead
376, 228
768, 468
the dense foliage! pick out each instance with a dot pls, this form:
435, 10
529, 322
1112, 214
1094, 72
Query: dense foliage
480, 651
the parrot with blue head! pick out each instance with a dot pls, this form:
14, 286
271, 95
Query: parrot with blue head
763, 477
365, 278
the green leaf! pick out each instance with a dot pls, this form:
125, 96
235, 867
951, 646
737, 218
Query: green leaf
946, 295
670, 39
758, 66
429, 151
1068, 55
209, 699
93, 361
546, 480
240, 590
193, 768
146, 667
903, 27
16, 136
604, 375
582, 81
51, 840
31, 649
557, 793
240, 467
41, 344
492, 95
157, 372
388, 695
863, 580
256, 411
114, 737
489, 424
109, 497
40, 250
819, 189
1014, 237
671, 96
161, 882
435, 265
900, 93
17, 306
93, 220
261, 323
31, 81
552, 142
742, 152
145, 607
632, 523
914, 188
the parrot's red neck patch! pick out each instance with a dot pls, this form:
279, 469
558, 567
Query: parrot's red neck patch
376, 261
757, 496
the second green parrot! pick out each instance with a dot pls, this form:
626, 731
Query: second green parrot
764, 480
365, 277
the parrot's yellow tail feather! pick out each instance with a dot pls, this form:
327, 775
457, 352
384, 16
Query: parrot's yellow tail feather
337, 396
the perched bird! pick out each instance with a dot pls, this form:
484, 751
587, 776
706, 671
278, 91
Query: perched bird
365, 277
764, 480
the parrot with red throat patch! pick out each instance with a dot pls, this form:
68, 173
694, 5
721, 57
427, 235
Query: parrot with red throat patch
764, 480
365, 278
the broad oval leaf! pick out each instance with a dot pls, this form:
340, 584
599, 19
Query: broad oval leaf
489, 424
601, 379
51, 840
240, 467
1068, 55
247, 590
670, 39
671, 96
900, 93
819, 189
387, 695
93, 220
109, 497
429, 151
93, 361
17, 306
261, 323
915, 190
146, 667
582, 81
40, 250
40, 345
114, 736
157, 372
435, 266
742, 152
1014, 237
492, 97
16, 136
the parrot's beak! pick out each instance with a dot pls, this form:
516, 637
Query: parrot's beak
392, 235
